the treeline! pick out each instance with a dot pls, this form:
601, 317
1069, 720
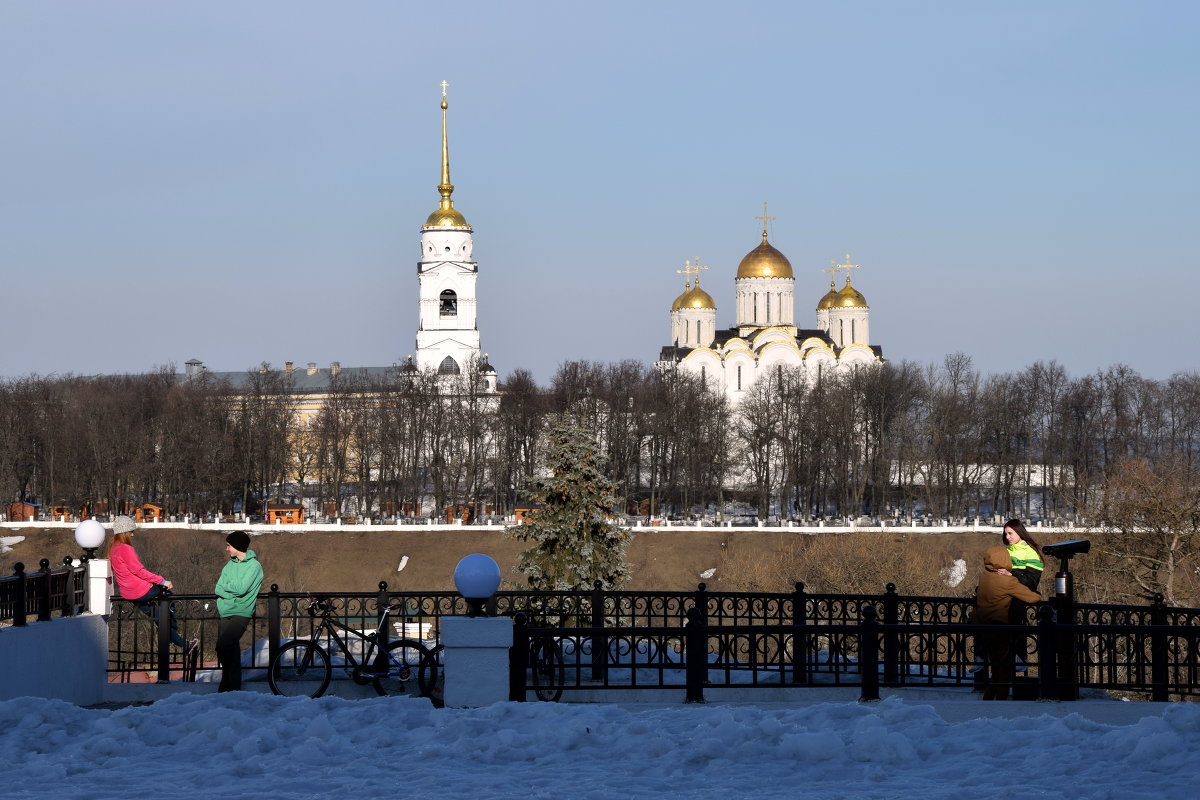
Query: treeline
895, 440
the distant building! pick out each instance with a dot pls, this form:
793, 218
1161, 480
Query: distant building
764, 335
447, 333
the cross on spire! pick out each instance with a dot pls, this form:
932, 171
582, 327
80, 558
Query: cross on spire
765, 219
847, 267
443, 84
690, 269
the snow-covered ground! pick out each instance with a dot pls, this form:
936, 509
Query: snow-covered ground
247, 744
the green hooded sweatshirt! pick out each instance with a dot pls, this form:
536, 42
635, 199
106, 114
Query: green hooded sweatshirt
237, 588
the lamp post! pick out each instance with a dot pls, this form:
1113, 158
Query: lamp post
477, 577
89, 535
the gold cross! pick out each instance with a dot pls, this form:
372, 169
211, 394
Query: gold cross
764, 217
688, 271
444, 85
847, 267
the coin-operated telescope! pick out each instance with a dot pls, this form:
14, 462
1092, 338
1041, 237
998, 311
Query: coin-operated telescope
1064, 587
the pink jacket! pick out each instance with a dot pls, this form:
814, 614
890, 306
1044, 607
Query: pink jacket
133, 580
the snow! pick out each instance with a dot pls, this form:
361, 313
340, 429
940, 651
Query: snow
249, 744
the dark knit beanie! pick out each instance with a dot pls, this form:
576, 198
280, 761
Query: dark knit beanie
240, 541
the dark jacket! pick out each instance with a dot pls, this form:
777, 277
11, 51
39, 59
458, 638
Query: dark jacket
996, 591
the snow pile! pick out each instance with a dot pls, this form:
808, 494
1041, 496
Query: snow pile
254, 745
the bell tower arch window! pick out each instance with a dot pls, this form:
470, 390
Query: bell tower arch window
448, 305
448, 367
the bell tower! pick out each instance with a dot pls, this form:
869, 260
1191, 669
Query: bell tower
447, 332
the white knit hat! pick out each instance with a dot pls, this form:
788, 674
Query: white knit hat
124, 525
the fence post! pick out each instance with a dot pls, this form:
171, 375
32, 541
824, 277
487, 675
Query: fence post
43, 592
891, 640
162, 605
21, 599
67, 606
599, 640
1159, 666
799, 635
1068, 681
700, 598
518, 658
381, 607
868, 654
696, 653
1047, 646
274, 625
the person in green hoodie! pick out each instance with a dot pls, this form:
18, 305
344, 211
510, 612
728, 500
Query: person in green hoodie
237, 593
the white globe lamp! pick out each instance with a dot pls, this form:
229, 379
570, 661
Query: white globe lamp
89, 535
477, 577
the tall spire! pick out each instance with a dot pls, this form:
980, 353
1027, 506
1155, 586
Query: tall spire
446, 215
445, 187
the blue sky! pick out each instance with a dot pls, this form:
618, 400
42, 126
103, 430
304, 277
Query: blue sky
245, 182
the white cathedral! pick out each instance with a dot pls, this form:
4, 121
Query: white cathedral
764, 335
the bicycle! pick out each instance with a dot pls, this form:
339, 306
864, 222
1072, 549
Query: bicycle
547, 670
302, 667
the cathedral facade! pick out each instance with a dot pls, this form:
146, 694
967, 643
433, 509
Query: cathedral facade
765, 335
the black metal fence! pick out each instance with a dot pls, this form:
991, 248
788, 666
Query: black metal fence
695, 640
43, 594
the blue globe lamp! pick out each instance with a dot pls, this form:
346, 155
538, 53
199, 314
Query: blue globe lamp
477, 577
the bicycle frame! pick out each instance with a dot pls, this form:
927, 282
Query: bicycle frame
330, 626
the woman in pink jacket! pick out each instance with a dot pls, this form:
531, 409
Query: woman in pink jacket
135, 582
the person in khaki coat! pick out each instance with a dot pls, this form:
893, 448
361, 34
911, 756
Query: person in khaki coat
997, 589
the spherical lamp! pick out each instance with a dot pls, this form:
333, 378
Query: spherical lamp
477, 577
89, 535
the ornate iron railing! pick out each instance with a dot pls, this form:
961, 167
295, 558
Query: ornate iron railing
42, 594
641, 639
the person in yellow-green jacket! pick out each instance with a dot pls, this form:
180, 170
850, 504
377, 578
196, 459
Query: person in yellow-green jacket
1027, 565
237, 594
1026, 554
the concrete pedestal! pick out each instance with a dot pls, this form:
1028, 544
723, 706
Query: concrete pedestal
99, 587
475, 660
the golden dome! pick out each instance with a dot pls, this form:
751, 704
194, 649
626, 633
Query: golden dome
446, 215
446, 218
849, 297
830, 298
694, 298
765, 261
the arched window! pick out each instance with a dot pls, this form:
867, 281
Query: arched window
448, 367
449, 304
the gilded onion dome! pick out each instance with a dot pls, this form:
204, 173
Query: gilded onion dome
830, 298
765, 261
446, 215
849, 297
694, 298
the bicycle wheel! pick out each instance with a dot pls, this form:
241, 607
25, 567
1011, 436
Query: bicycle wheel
430, 677
546, 669
396, 668
300, 668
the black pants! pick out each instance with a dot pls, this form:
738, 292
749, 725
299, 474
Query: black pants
148, 604
229, 652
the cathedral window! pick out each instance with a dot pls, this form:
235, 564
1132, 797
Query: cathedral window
448, 306
739, 378
448, 367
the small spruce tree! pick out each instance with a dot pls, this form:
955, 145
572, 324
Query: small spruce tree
575, 540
